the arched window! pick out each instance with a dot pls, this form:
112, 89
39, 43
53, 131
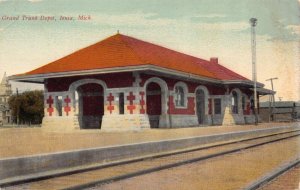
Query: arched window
252, 103
244, 102
76, 102
234, 104
179, 96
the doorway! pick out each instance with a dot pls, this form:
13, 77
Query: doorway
90, 102
154, 103
200, 105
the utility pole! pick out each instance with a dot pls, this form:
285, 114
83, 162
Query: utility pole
253, 22
271, 79
272, 98
18, 107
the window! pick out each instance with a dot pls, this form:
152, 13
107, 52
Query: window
217, 105
121, 103
252, 103
244, 102
234, 102
76, 97
59, 105
179, 96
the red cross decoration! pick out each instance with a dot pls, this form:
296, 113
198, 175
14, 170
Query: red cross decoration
110, 107
142, 103
67, 108
130, 98
50, 108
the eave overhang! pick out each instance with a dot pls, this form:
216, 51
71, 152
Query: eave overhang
40, 78
264, 91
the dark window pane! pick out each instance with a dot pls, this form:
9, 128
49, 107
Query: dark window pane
217, 103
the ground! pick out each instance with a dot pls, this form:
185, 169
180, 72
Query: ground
233, 171
28, 141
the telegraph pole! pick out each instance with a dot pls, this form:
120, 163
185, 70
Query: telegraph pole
272, 101
253, 22
18, 107
271, 79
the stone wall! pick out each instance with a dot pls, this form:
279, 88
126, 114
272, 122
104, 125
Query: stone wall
134, 93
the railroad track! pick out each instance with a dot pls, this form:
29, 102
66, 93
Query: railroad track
108, 173
272, 176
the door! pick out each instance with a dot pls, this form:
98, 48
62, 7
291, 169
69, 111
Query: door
154, 108
200, 105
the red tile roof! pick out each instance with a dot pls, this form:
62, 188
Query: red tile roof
121, 51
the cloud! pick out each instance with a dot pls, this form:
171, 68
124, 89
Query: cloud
133, 19
294, 29
230, 26
286, 33
151, 20
210, 16
31, 1
34, 1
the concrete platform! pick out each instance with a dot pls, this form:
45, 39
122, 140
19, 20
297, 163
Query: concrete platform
38, 164
16, 142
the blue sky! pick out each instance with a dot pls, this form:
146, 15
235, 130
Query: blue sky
203, 28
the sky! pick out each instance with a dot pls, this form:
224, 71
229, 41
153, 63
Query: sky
202, 28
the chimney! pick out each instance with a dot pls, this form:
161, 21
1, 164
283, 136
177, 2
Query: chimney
214, 60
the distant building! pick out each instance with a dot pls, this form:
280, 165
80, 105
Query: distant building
124, 83
280, 111
5, 93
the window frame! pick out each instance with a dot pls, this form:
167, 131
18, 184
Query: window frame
234, 103
121, 103
183, 95
220, 108
59, 105
244, 102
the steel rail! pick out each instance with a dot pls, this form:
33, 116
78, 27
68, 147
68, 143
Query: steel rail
167, 166
273, 175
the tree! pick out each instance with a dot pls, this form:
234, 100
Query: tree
28, 106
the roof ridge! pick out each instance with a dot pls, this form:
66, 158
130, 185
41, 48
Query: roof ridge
121, 50
81, 49
168, 49
231, 72
207, 62
127, 45
73, 52
162, 46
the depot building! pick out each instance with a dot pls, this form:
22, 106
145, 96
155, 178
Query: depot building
123, 83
